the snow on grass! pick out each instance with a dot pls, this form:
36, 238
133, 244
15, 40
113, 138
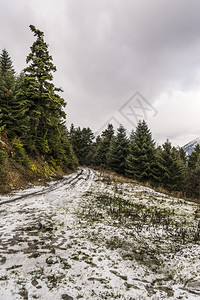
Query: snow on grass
87, 237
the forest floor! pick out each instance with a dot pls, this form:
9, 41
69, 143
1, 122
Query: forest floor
93, 236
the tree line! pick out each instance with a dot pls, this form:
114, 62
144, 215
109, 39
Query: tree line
32, 116
137, 157
32, 124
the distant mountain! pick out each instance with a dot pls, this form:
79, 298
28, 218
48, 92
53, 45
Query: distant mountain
189, 147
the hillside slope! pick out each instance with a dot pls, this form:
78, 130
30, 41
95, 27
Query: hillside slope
20, 170
96, 236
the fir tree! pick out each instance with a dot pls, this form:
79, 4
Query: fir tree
103, 146
182, 155
98, 141
7, 86
140, 162
132, 136
170, 170
192, 187
6, 64
61, 150
118, 151
7, 81
196, 178
13, 110
194, 157
82, 143
45, 106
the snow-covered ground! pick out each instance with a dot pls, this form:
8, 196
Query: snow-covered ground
90, 236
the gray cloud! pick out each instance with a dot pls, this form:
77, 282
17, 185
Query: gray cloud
105, 50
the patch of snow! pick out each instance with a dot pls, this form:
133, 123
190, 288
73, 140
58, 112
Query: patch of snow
69, 238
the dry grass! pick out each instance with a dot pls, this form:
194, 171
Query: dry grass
114, 177
175, 194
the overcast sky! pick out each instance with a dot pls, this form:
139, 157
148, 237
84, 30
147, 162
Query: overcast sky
117, 60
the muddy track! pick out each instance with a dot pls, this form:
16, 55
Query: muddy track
36, 223
70, 182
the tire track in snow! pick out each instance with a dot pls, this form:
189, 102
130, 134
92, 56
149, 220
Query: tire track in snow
71, 183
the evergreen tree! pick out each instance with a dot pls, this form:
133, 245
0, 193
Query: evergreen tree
82, 143
118, 151
45, 106
196, 178
6, 64
192, 160
63, 152
132, 136
140, 162
182, 155
170, 170
98, 141
103, 146
192, 187
13, 110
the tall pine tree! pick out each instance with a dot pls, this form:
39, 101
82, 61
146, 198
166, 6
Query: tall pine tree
13, 110
45, 106
6, 64
140, 162
82, 143
192, 186
196, 178
118, 151
194, 157
46, 132
170, 169
103, 146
